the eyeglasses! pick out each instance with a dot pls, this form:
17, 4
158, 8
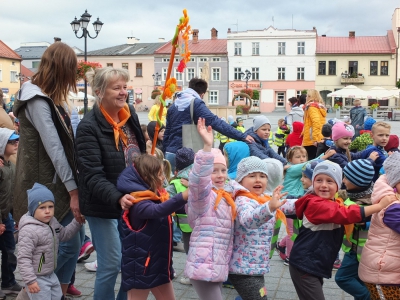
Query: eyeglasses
13, 142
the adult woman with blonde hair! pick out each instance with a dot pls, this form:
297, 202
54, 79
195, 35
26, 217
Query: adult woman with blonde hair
46, 152
314, 119
154, 111
108, 139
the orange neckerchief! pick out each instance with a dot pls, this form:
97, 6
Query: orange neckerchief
221, 193
124, 114
279, 215
149, 195
348, 229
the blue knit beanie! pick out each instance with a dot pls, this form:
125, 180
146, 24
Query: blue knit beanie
359, 172
368, 123
308, 168
184, 158
37, 195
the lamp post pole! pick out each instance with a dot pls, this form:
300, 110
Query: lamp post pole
246, 75
156, 78
84, 22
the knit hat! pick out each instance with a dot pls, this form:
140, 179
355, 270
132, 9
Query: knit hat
184, 158
248, 165
5, 136
326, 130
239, 119
330, 169
393, 142
341, 130
333, 121
37, 195
308, 168
223, 119
368, 123
260, 121
219, 158
391, 166
359, 172
230, 119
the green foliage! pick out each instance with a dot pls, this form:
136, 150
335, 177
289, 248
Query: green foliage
239, 110
256, 95
361, 142
353, 75
304, 92
398, 84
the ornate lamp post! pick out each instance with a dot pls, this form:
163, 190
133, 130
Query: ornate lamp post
83, 22
156, 78
21, 77
246, 75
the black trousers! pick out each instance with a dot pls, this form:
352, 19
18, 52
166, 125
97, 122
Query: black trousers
308, 287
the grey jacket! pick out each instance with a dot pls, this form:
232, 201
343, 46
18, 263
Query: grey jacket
295, 115
38, 245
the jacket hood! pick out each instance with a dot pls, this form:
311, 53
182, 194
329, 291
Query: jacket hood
5, 134
298, 127
185, 172
184, 98
296, 111
254, 135
27, 92
27, 219
130, 181
235, 151
275, 174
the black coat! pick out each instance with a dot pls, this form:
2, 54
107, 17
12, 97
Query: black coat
100, 164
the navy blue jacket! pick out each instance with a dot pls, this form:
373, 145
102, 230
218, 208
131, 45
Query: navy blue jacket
379, 161
146, 234
341, 159
175, 119
261, 148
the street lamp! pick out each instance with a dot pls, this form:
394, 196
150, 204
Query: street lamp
83, 22
21, 77
156, 78
246, 76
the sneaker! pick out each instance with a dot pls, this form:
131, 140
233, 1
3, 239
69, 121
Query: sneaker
73, 291
281, 251
14, 289
85, 252
286, 261
92, 266
228, 284
337, 264
185, 280
178, 247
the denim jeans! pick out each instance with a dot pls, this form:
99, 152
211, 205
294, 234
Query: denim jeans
171, 158
106, 241
8, 258
68, 253
176, 233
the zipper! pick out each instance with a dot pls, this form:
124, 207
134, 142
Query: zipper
41, 262
54, 247
170, 243
146, 264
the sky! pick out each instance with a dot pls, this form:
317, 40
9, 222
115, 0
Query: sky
148, 20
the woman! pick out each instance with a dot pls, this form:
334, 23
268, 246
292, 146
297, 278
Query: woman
108, 139
46, 146
296, 113
154, 111
314, 119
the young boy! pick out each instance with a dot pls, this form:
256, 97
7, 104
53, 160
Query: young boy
327, 141
280, 137
240, 127
39, 235
393, 144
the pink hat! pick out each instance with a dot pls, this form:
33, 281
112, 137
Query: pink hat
341, 130
218, 157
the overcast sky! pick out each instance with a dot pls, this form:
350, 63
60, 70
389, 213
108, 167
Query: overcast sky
148, 20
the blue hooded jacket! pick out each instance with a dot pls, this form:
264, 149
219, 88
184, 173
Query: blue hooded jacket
235, 151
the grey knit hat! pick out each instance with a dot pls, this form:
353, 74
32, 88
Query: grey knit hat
331, 169
391, 166
248, 165
260, 121
37, 195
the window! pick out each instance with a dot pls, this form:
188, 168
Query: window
216, 74
384, 68
139, 70
13, 76
281, 73
177, 60
322, 68
190, 73
200, 71
164, 74
280, 99
35, 64
110, 64
192, 59
178, 75
373, 68
281, 48
213, 98
125, 66
255, 48
298, 94
301, 47
300, 73
165, 59
353, 67
238, 48
237, 73
203, 59
332, 68
216, 59
255, 73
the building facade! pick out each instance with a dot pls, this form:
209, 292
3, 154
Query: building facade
31, 53
396, 35
281, 64
10, 68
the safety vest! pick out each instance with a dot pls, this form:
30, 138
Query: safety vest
358, 238
280, 136
223, 138
241, 129
181, 219
274, 239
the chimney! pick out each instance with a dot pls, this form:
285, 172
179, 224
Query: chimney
214, 34
352, 34
161, 40
229, 30
195, 33
57, 39
324, 35
132, 40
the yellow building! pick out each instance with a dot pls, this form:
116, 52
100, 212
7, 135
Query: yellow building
366, 62
10, 67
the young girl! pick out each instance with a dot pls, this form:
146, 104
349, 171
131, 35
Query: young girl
146, 230
254, 227
151, 127
144, 130
320, 237
211, 212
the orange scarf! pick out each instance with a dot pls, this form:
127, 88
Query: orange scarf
221, 193
149, 195
124, 114
348, 229
279, 215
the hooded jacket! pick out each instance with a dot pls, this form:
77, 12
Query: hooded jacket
235, 151
7, 176
314, 119
294, 138
296, 115
357, 116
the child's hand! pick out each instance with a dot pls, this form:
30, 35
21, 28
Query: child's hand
205, 133
385, 201
185, 182
34, 288
2, 228
286, 167
374, 155
276, 202
126, 201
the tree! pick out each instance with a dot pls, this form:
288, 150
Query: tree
256, 95
398, 84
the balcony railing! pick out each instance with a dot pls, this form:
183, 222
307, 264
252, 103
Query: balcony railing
359, 80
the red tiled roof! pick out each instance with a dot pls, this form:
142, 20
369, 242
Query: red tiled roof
7, 52
356, 45
26, 72
216, 46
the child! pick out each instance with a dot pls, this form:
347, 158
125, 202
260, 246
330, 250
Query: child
260, 132
146, 230
358, 176
151, 127
326, 142
357, 116
223, 139
234, 152
211, 211
39, 235
379, 264
166, 166
315, 248
294, 138
144, 130
280, 137
364, 139
393, 144
254, 226
239, 122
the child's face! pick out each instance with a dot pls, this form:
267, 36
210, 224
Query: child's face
349, 185
161, 134
255, 182
240, 124
219, 176
11, 148
161, 175
298, 157
264, 131
380, 136
305, 181
343, 143
44, 212
325, 186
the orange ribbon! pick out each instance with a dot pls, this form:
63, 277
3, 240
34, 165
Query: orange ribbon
149, 195
348, 229
124, 114
221, 193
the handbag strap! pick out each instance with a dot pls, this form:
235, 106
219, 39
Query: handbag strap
191, 110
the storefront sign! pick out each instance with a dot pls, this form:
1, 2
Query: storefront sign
239, 85
5, 90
